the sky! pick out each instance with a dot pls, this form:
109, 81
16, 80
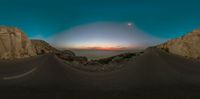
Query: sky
58, 21
104, 36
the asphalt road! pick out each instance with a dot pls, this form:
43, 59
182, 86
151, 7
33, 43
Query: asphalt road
153, 73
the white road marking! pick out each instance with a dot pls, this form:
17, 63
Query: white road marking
19, 76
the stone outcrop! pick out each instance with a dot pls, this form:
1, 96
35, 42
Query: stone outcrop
68, 53
14, 44
188, 45
42, 47
72, 59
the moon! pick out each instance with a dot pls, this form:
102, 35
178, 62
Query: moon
129, 24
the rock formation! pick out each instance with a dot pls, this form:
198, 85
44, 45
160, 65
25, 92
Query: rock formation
73, 59
14, 44
42, 47
68, 52
188, 45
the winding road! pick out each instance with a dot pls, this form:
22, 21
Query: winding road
153, 73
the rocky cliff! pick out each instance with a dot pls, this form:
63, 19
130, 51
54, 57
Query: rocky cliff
188, 45
42, 47
14, 44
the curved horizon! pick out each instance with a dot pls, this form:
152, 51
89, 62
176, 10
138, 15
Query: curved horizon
104, 36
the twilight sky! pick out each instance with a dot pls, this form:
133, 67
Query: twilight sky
75, 23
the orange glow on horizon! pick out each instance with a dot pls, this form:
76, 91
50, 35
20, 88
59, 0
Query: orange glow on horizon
104, 48
101, 46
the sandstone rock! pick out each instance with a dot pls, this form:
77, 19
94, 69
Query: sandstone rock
14, 44
42, 47
188, 45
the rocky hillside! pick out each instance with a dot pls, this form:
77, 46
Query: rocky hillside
188, 45
42, 47
14, 44
115, 59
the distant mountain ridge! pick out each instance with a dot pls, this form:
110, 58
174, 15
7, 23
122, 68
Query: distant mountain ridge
187, 45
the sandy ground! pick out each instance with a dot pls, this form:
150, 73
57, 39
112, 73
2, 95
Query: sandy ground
153, 75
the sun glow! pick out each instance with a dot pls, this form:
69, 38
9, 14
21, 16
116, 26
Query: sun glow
104, 36
99, 46
104, 48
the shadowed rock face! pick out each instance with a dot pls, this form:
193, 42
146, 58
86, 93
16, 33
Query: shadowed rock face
73, 59
42, 47
68, 53
14, 44
188, 45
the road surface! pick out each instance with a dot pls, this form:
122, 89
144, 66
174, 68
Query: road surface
153, 73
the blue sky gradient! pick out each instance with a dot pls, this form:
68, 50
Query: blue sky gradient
163, 19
